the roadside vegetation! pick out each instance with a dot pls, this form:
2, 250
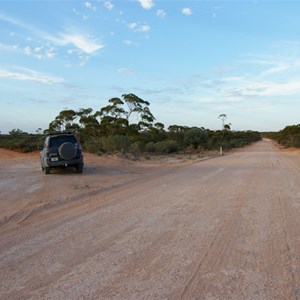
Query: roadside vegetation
126, 126
21, 141
288, 137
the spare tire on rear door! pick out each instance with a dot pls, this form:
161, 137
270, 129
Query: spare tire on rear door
67, 151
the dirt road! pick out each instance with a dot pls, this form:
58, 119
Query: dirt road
222, 228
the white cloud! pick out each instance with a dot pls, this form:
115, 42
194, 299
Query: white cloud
108, 5
137, 27
161, 13
146, 4
84, 43
126, 71
37, 52
90, 6
30, 75
76, 12
9, 47
278, 68
186, 11
40, 52
81, 42
281, 89
127, 42
133, 26
273, 65
27, 50
11, 20
31, 29
144, 28
243, 88
37, 49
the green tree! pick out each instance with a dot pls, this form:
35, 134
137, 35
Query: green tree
117, 117
89, 124
65, 122
17, 132
196, 137
290, 136
176, 133
138, 108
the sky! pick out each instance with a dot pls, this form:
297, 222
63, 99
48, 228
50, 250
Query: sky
192, 60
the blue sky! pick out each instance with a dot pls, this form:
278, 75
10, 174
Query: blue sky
192, 60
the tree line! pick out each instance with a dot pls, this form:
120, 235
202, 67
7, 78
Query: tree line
288, 136
126, 125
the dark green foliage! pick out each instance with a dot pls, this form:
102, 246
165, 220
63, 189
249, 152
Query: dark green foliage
115, 143
21, 142
195, 137
235, 139
289, 136
111, 130
94, 146
136, 149
65, 122
163, 147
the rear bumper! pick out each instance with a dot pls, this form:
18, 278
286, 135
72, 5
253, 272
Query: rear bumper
72, 162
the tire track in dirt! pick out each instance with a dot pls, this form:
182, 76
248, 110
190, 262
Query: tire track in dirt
215, 253
288, 235
288, 257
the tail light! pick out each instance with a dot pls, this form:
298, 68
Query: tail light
78, 145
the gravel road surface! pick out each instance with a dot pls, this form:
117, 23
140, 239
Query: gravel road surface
221, 228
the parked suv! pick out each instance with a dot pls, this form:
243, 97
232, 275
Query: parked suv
61, 151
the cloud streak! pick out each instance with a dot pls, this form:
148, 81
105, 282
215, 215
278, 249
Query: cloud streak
30, 75
81, 41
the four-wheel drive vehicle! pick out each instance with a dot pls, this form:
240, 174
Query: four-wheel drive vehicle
61, 151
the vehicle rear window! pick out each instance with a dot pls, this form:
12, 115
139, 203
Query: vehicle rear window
58, 140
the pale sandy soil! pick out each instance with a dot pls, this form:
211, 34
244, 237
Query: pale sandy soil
220, 228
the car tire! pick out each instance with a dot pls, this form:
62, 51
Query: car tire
79, 168
67, 151
47, 170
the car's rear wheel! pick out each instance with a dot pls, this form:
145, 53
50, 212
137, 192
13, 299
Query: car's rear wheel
79, 168
47, 170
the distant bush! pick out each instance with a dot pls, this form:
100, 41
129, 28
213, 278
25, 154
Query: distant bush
115, 143
179, 139
94, 146
195, 137
289, 136
21, 142
164, 147
150, 147
136, 148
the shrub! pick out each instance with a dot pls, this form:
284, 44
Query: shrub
136, 148
163, 147
24, 143
150, 147
94, 146
115, 143
195, 136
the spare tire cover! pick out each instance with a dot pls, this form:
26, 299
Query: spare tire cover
67, 151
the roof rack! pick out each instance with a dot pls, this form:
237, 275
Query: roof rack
58, 133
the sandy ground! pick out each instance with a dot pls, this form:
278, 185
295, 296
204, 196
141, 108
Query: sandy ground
221, 228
